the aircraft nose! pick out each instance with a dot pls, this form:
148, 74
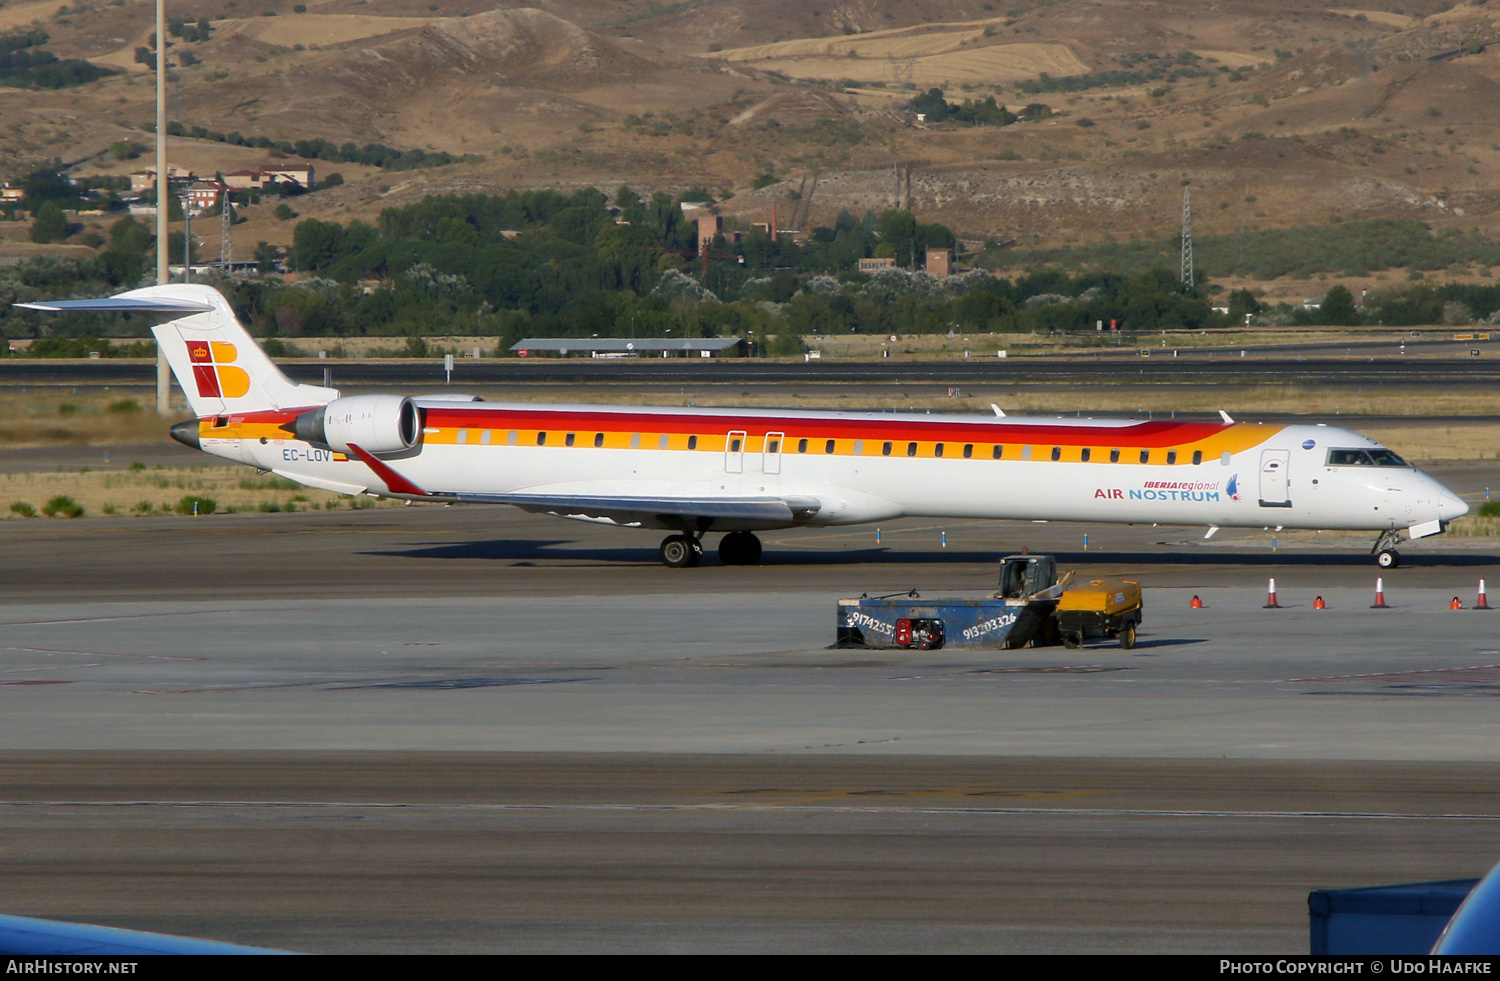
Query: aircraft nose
1450, 507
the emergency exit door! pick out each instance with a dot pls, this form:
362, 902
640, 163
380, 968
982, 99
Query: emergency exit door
1274, 486
734, 452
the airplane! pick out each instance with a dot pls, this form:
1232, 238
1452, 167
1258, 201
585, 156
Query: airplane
694, 471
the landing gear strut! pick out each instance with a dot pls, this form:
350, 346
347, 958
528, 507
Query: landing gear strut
681, 551
739, 548
1384, 549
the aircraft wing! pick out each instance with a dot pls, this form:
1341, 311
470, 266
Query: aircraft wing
770, 510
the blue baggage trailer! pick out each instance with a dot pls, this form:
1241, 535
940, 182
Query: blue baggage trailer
1020, 613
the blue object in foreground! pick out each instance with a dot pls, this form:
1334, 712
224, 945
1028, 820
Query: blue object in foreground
26, 936
1401, 919
1475, 928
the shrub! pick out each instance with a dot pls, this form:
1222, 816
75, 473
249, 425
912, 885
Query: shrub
62, 505
1489, 509
137, 467
24, 509
124, 407
196, 504
143, 507
269, 507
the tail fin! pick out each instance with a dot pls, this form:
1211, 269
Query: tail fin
218, 364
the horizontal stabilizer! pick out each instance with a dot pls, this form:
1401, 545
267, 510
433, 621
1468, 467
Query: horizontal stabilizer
122, 304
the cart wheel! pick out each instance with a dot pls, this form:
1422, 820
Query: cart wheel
1127, 636
1071, 641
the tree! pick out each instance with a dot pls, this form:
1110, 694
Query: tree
51, 225
898, 229
1338, 307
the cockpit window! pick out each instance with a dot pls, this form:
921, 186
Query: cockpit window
1364, 458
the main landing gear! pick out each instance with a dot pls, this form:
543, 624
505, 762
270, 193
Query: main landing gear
739, 548
686, 551
1384, 549
681, 551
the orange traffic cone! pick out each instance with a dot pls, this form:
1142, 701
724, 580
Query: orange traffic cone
1379, 603
1271, 603
1484, 601
1457, 604
1197, 604
1318, 604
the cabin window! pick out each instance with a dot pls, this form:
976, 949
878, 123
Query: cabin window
1114, 456
511, 437
911, 449
598, 439
997, 452
1083, 455
1026, 453
937, 450
663, 441
541, 439
462, 437
1171, 457
801, 446
1145, 456
968, 450
635, 441
885, 449
1197, 457
859, 447
1224, 459
734, 445
485, 436
1057, 452
570, 438
828, 446
692, 442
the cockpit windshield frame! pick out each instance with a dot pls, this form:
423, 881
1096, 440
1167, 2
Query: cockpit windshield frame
1377, 456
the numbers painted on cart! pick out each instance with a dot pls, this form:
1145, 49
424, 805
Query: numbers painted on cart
989, 626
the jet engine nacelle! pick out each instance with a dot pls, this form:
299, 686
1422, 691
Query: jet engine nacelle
374, 423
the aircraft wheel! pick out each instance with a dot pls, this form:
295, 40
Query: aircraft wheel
1388, 558
1127, 637
697, 555
677, 552
739, 548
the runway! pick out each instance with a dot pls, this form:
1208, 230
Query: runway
470, 729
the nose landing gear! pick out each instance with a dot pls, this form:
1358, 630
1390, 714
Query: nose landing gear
1384, 549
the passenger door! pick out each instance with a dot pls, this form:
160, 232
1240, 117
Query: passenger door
1274, 483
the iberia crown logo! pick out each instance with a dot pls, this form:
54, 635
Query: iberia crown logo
215, 372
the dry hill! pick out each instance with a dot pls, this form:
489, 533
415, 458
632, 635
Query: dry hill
1275, 112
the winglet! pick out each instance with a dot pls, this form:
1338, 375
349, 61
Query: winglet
1225, 416
997, 410
396, 483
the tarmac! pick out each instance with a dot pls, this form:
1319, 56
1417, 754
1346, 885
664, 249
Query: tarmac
469, 729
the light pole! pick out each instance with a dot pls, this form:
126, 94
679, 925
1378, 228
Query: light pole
163, 193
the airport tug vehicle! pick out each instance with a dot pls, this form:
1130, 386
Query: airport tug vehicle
1032, 608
